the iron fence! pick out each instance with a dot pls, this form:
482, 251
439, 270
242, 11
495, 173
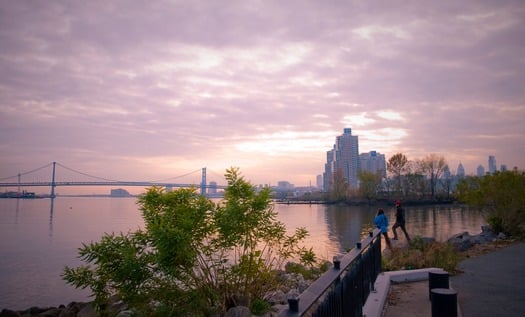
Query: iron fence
342, 290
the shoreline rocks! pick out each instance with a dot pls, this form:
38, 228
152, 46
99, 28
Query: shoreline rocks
464, 241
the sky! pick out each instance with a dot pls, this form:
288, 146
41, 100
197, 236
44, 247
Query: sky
148, 90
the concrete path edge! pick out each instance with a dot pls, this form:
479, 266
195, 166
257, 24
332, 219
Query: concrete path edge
375, 302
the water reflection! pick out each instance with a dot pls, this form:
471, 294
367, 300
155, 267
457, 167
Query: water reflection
441, 222
345, 224
334, 229
52, 204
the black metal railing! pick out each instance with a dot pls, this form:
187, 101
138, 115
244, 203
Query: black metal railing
342, 290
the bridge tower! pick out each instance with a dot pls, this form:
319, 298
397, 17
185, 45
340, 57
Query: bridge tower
203, 181
53, 184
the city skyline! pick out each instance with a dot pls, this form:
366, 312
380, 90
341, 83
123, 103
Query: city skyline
149, 91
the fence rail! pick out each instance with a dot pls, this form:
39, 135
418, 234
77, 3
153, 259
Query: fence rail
342, 290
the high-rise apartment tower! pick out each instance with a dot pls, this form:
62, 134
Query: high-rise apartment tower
492, 164
344, 158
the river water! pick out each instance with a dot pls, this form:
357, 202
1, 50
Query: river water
38, 237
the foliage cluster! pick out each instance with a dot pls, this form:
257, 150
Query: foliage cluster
423, 255
413, 179
194, 257
501, 196
419, 177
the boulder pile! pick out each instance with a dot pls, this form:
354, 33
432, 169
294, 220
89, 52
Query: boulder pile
464, 241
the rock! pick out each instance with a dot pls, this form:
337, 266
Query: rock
238, 311
502, 236
277, 297
125, 313
87, 311
461, 241
302, 285
52, 312
293, 293
68, 312
9, 313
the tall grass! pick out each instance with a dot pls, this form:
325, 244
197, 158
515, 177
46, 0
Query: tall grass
420, 254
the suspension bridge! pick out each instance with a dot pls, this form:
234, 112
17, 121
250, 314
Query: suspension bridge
53, 182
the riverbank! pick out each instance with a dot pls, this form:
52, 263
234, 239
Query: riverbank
364, 202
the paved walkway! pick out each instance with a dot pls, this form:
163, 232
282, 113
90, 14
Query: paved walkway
493, 284
490, 285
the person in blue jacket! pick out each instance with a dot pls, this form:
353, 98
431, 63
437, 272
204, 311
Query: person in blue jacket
381, 222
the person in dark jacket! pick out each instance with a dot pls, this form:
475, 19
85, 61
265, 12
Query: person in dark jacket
381, 222
400, 221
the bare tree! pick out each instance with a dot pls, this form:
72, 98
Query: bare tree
397, 165
433, 166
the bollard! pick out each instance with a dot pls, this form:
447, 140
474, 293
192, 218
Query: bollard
293, 304
438, 279
444, 302
337, 263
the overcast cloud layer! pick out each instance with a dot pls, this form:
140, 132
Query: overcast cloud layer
143, 90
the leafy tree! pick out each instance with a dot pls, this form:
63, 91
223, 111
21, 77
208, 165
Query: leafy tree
501, 195
369, 184
340, 188
397, 165
194, 257
433, 166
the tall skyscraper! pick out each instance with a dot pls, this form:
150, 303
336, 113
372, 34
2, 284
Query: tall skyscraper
480, 171
461, 170
373, 162
343, 157
492, 164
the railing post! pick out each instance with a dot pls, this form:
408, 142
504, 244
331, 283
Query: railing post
293, 304
337, 263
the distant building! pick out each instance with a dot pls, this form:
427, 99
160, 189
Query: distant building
446, 172
284, 185
503, 167
492, 164
119, 192
480, 171
212, 188
373, 162
319, 181
344, 157
461, 170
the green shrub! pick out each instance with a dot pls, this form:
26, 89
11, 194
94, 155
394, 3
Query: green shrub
194, 257
501, 196
259, 307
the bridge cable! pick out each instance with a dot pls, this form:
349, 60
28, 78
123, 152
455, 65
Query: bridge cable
25, 173
88, 175
175, 177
